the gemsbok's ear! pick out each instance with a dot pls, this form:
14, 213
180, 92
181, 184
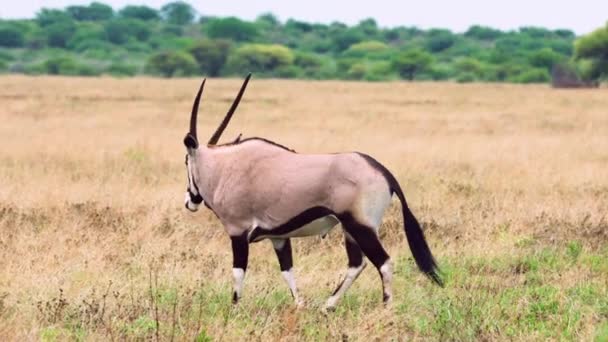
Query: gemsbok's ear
190, 141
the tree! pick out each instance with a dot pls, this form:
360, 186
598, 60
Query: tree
267, 20
59, 34
139, 12
482, 33
178, 13
372, 49
11, 36
119, 31
594, 47
211, 55
544, 58
87, 35
169, 64
231, 28
412, 62
439, 40
94, 12
48, 17
342, 39
262, 58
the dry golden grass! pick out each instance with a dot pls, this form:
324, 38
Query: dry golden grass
510, 183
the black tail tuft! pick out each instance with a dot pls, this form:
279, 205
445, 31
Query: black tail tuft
420, 249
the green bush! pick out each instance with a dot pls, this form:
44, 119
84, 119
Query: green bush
482, 33
211, 55
59, 34
67, 66
594, 47
11, 37
120, 69
178, 13
533, 76
544, 58
379, 71
440, 72
288, 71
3, 66
139, 12
261, 58
120, 31
231, 28
94, 11
372, 49
466, 77
411, 62
439, 40
171, 64
6, 56
86, 34
357, 71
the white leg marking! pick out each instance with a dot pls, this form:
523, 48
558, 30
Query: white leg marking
351, 274
238, 274
278, 244
291, 282
387, 278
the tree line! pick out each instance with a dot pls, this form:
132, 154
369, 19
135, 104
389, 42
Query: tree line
175, 41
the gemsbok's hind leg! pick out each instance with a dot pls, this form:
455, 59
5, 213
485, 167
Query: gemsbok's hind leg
282, 247
367, 239
356, 264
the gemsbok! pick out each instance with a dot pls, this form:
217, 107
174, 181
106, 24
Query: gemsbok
260, 190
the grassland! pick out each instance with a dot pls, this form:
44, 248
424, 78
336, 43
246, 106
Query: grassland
510, 183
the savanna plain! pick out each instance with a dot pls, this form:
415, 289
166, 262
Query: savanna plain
510, 184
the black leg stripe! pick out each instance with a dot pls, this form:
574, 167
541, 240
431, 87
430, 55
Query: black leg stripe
285, 256
240, 251
366, 238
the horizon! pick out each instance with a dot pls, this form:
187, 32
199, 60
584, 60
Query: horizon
571, 16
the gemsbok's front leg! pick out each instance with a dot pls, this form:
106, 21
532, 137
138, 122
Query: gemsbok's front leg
283, 249
240, 255
356, 264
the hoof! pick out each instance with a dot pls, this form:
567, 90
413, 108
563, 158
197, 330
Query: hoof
328, 309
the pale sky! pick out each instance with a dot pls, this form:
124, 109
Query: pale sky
581, 16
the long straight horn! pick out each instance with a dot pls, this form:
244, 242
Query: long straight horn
216, 136
197, 100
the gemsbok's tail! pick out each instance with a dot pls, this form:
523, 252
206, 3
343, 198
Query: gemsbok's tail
415, 237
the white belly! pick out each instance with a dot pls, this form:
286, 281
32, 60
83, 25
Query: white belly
320, 226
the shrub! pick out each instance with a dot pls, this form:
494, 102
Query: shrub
544, 58
120, 69
466, 77
58, 34
139, 12
67, 66
372, 49
11, 36
533, 76
170, 64
357, 71
231, 28
211, 55
439, 40
412, 62
262, 58
119, 31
